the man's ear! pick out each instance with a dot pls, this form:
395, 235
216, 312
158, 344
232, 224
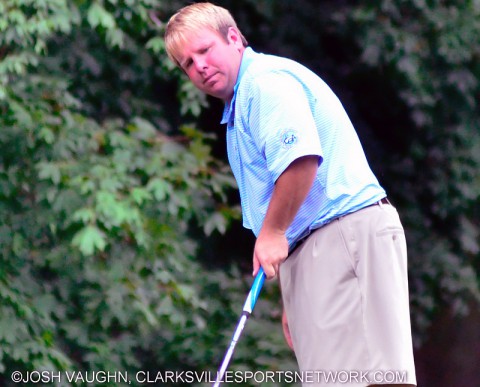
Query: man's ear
233, 37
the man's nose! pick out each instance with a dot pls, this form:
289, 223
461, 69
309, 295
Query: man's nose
200, 64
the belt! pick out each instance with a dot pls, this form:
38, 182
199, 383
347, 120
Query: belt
379, 203
303, 239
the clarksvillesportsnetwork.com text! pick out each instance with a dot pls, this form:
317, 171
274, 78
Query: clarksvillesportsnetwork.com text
182, 377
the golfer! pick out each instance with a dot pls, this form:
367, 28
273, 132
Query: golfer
322, 221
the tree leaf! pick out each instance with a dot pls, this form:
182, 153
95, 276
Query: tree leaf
89, 239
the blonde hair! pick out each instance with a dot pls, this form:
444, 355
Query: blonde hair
193, 18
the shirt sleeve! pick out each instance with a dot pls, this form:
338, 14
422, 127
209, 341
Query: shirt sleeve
281, 121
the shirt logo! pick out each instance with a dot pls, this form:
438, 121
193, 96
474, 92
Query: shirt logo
289, 138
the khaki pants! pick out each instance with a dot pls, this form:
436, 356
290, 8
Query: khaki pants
345, 293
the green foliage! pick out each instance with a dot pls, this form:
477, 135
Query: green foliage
104, 202
101, 200
25, 26
106, 198
96, 252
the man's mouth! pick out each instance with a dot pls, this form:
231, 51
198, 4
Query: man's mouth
209, 78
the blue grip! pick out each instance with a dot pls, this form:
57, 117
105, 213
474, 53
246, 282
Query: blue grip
254, 292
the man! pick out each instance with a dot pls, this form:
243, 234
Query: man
308, 195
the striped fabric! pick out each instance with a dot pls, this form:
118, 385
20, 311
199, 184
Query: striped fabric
281, 111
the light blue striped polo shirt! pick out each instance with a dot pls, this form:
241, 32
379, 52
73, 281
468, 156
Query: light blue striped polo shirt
281, 111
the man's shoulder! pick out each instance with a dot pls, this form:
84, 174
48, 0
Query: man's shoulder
263, 65
270, 70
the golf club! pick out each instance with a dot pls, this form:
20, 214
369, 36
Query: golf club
247, 311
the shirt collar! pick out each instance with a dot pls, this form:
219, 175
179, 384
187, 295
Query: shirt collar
247, 59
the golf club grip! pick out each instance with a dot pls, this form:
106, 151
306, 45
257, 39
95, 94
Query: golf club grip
254, 291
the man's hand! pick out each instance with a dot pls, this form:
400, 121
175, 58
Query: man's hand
271, 249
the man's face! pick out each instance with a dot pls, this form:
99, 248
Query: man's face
212, 63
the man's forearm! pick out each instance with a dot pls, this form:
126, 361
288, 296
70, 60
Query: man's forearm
291, 189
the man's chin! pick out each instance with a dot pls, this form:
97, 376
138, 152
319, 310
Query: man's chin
220, 94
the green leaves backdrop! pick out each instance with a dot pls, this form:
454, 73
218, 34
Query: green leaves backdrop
109, 187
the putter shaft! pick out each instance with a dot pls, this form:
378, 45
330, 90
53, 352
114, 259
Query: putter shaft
247, 311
